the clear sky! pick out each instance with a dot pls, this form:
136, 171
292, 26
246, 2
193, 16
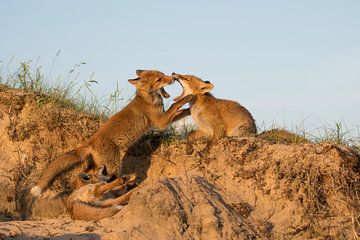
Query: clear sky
286, 61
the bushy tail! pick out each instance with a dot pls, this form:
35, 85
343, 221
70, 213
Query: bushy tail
61, 164
84, 211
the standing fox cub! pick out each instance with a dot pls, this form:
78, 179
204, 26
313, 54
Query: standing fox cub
94, 201
215, 118
143, 113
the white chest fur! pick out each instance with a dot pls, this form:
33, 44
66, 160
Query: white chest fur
158, 102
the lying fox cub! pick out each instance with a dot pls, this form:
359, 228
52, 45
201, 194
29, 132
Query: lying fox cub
95, 201
215, 118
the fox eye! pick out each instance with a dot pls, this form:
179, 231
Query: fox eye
84, 177
158, 80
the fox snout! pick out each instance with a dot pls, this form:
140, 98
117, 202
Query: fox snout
176, 76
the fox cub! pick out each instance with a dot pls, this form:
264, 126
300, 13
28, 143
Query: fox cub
113, 138
215, 118
95, 201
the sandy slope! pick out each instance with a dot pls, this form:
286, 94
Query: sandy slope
246, 188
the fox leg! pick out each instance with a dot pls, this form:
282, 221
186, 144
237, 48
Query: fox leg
121, 187
101, 189
124, 186
219, 132
181, 114
121, 200
162, 120
116, 185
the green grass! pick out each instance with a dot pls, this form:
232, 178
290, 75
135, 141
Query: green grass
65, 93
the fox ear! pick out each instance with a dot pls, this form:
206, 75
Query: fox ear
102, 170
134, 81
138, 72
207, 87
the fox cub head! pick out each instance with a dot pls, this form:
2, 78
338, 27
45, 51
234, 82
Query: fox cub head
152, 81
101, 175
86, 178
192, 85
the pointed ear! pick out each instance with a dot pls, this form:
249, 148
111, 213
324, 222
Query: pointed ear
134, 81
138, 72
102, 170
207, 87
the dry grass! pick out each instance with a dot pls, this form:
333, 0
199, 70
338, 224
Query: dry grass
337, 133
66, 93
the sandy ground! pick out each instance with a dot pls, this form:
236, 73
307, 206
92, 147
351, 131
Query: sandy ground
246, 188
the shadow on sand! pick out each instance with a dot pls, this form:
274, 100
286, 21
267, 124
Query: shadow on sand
138, 157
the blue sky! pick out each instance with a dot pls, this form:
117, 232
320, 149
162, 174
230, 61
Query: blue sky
286, 61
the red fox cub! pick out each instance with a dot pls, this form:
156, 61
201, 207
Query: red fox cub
95, 201
215, 118
143, 113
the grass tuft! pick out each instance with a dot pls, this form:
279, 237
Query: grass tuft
66, 93
338, 133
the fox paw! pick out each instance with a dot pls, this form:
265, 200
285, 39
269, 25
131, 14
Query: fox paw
188, 98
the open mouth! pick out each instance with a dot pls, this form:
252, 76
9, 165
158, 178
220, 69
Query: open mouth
182, 95
164, 93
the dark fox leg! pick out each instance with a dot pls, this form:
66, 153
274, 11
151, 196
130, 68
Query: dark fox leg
123, 199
